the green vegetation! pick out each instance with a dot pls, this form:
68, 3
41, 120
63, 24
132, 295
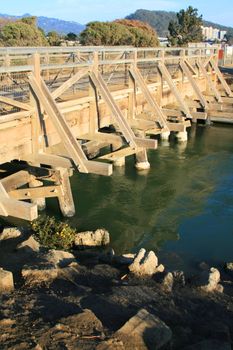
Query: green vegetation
22, 33
186, 29
160, 20
120, 32
53, 234
71, 37
54, 39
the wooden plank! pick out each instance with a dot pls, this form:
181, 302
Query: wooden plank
104, 137
3, 194
179, 127
158, 114
190, 67
223, 114
195, 87
15, 103
164, 71
209, 80
221, 78
36, 192
142, 124
99, 168
119, 118
68, 83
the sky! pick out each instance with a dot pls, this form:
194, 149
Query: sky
84, 11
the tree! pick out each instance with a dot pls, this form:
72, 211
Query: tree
54, 38
187, 28
71, 37
22, 33
120, 32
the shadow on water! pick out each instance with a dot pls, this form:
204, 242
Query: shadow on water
182, 208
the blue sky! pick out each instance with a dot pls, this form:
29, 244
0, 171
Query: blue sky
83, 11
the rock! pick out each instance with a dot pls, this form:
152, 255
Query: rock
30, 245
59, 258
168, 281
204, 266
144, 264
11, 232
209, 281
179, 278
229, 268
99, 237
144, 331
47, 267
209, 345
125, 259
111, 344
160, 268
6, 281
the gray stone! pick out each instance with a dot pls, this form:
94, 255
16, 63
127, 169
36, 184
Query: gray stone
6, 281
144, 264
11, 232
59, 258
229, 268
144, 331
99, 237
30, 245
209, 345
179, 278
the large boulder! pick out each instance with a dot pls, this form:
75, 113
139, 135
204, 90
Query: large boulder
145, 264
144, 331
6, 281
99, 237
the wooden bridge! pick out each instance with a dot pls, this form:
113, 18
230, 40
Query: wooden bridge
87, 109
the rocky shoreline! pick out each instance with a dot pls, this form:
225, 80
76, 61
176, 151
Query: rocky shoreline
90, 298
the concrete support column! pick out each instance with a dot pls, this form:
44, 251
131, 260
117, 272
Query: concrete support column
165, 135
141, 159
120, 162
182, 136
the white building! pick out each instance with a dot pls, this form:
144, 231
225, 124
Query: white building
210, 33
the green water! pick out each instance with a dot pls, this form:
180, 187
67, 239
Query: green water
182, 207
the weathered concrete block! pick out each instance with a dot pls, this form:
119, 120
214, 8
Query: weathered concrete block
92, 239
6, 281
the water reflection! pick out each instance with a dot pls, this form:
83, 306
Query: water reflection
172, 207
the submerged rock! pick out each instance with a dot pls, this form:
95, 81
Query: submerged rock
99, 237
6, 281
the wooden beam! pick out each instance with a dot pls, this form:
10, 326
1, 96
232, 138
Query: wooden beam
157, 111
68, 83
195, 87
210, 82
14, 116
118, 116
164, 71
221, 78
15, 103
15, 180
48, 159
146, 143
36, 192
124, 152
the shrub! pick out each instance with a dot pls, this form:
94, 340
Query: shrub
52, 233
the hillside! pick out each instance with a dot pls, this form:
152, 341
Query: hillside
159, 20
50, 24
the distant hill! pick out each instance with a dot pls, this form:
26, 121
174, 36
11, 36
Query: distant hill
159, 20
49, 24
